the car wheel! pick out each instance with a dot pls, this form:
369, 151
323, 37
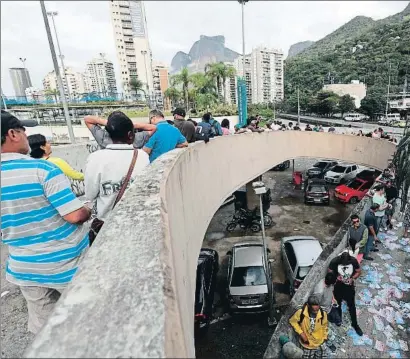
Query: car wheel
255, 227
267, 219
231, 226
353, 200
342, 181
327, 203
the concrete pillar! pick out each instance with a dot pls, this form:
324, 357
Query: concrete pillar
252, 199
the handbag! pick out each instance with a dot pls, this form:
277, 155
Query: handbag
97, 223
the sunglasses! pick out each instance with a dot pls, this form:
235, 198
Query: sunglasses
355, 221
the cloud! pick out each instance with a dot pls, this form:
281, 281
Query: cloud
84, 28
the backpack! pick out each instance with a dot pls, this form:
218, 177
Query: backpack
302, 315
214, 128
203, 132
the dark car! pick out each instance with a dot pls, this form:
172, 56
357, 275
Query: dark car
369, 175
316, 191
206, 274
282, 166
320, 168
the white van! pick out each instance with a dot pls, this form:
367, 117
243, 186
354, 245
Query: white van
354, 117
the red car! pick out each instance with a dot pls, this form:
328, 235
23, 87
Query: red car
353, 191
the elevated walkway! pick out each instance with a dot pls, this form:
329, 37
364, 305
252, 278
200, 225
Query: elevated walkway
134, 293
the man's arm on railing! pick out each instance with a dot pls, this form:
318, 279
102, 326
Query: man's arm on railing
146, 127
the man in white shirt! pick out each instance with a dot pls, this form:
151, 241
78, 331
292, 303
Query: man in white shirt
106, 169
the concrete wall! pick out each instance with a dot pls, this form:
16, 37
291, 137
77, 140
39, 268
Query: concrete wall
134, 293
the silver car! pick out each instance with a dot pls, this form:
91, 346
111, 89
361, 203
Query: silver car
247, 286
299, 253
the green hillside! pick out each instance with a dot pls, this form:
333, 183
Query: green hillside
361, 50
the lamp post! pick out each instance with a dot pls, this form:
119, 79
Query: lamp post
260, 189
144, 53
52, 14
242, 2
4, 101
57, 71
298, 108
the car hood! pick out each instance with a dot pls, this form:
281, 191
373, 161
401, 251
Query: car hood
333, 174
249, 290
344, 189
314, 169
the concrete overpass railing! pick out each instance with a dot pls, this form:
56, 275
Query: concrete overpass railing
133, 295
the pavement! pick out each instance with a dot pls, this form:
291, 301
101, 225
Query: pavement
383, 304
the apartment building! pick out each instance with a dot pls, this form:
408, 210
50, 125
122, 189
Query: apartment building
34, 94
132, 45
74, 83
20, 78
263, 76
160, 84
100, 77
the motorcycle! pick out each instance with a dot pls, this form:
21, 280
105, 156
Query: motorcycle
268, 221
245, 219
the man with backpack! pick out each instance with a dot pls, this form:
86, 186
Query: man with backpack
215, 126
187, 128
311, 325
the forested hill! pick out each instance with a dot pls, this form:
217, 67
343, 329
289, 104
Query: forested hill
362, 49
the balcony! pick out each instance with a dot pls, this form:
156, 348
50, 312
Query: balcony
128, 39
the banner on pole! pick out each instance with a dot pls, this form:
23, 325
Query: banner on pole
242, 101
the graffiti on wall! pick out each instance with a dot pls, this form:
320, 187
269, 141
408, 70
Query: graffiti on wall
92, 147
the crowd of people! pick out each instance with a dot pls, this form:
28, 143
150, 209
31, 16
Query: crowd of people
45, 224
324, 305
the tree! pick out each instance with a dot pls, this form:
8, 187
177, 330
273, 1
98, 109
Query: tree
173, 94
137, 85
184, 79
346, 104
401, 162
373, 103
52, 93
216, 71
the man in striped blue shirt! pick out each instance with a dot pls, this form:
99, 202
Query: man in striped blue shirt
41, 223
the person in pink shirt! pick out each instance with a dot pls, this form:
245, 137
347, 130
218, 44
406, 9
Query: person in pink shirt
225, 127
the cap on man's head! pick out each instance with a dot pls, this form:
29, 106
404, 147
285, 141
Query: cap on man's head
9, 122
179, 111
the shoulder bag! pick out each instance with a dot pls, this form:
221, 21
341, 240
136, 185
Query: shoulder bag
96, 224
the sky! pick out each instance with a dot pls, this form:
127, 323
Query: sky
84, 28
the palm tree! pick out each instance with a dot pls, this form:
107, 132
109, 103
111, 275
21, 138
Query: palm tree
173, 94
52, 93
184, 79
137, 86
220, 72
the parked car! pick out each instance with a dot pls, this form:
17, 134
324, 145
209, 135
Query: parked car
247, 286
299, 253
316, 191
369, 174
353, 191
282, 166
391, 119
320, 168
341, 173
206, 275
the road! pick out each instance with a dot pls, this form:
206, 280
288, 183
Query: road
246, 336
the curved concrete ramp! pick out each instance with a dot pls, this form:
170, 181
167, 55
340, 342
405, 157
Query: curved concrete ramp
134, 293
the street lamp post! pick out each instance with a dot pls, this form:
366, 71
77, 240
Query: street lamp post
260, 189
242, 2
298, 108
4, 101
52, 14
57, 71
144, 53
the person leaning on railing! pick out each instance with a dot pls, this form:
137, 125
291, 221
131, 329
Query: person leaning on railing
41, 149
101, 136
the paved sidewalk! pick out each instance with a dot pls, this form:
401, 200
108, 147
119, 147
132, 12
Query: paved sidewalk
383, 304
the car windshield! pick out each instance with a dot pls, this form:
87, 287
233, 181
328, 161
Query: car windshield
302, 272
248, 276
354, 184
339, 169
317, 188
320, 164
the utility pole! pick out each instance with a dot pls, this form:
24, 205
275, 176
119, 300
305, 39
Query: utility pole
4, 101
57, 71
52, 14
388, 92
243, 35
144, 53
